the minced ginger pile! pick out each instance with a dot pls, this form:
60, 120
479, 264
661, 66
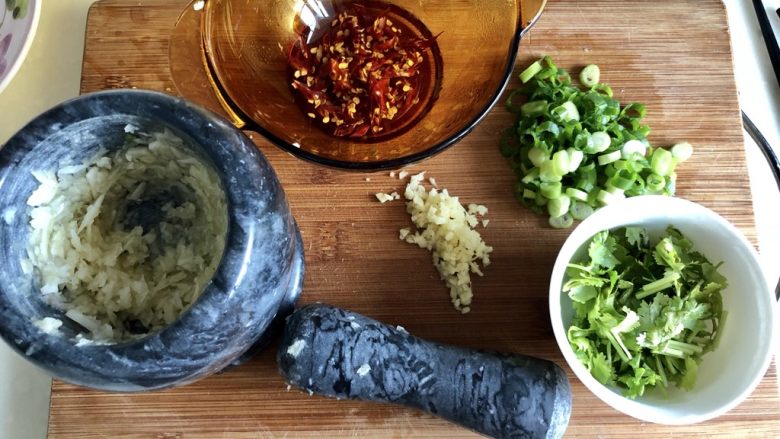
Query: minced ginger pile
447, 229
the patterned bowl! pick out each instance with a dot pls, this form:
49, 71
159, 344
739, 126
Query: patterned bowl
18, 21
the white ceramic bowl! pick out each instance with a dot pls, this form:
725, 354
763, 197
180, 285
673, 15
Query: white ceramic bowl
728, 374
18, 21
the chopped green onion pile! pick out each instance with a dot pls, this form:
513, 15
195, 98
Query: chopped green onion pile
576, 150
644, 313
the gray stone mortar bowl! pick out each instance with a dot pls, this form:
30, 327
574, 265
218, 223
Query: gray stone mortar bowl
255, 286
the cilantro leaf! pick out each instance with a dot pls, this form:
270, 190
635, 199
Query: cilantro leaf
601, 369
582, 293
600, 250
636, 236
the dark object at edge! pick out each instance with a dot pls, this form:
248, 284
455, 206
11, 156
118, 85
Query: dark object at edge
769, 37
770, 156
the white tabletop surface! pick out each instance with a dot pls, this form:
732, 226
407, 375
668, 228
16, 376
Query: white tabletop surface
51, 73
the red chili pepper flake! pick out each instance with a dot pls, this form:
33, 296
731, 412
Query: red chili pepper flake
360, 75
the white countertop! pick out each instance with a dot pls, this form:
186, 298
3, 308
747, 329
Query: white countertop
51, 73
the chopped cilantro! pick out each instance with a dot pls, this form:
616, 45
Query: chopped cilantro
645, 313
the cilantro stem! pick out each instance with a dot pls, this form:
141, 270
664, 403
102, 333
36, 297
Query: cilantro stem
670, 365
661, 370
718, 331
579, 267
617, 343
658, 285
678, 349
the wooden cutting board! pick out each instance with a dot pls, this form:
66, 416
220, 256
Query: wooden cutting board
672, 55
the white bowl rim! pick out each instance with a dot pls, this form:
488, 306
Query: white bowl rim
615, 400
13, 69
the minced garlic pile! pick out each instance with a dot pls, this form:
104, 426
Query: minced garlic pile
446, 228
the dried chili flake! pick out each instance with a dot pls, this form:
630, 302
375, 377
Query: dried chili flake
360, 75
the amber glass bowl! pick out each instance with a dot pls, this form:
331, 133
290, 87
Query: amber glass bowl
245, 53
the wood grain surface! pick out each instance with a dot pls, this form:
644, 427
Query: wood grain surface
672, 55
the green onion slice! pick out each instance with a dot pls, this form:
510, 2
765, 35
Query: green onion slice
580, 210
601, 142
589, 76
655, 183
559, 206
537, 156
662, 163
609, 158
533, 108
682, 151
561, 222
577, 194
530, 72
633, 147
550, 190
